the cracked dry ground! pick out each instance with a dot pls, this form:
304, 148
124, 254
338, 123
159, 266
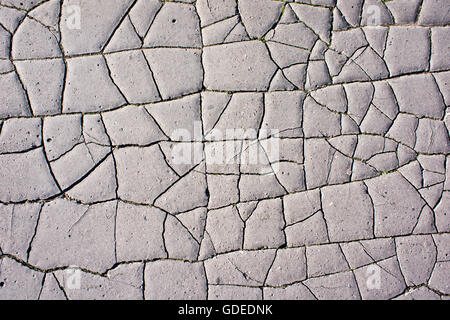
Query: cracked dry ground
89, 119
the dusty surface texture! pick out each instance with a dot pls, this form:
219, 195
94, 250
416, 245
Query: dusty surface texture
224, 149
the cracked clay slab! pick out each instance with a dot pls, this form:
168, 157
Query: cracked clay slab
224, 149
